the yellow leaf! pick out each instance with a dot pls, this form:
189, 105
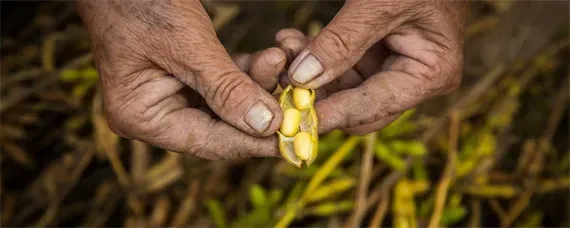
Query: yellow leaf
69, 75
330, 189
331, 208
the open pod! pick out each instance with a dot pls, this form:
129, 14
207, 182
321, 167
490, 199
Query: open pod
294, 144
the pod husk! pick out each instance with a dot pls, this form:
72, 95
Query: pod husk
309, 123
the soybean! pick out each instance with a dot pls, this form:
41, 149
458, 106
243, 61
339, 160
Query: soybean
291, 121
302, 98
303, 145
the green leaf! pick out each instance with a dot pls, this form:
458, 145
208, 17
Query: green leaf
257, 217
295, 193
80, 90
69, 75
257, 196
426, 207
450, 216
533, 220
468, 148
398, 146
307, 172
331, 189
455, 200
329, 142
464, 168
330, 208
487, 144
401, 126
90, 74
385, 154
275, 197
419, 170
416, 148
216, 213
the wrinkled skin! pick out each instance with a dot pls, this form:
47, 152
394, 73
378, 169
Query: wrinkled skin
168, 81
381, 58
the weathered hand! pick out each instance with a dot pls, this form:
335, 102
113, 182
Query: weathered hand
166, 78
404, 52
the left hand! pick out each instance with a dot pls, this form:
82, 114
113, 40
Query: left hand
401, 54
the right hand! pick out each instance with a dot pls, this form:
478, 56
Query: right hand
166, 79
293, 42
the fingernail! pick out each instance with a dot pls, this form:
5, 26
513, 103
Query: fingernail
259, 117
309, 68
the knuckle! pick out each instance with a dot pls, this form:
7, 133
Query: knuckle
363, 119
288, 32
229, 91
204, 146
338, 115
335, 43
454, 83
447, 76
115, 127
131, 121
116, 123
198, 148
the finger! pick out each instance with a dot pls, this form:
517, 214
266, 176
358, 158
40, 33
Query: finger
266, 66
194, 132
292, 41
242, 61
288, 32
355, 28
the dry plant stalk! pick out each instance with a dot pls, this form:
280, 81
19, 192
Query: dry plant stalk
187, 206
381, 210
160, 211
448, 173
365, 176
140, 160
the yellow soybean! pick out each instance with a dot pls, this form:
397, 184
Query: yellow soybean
291, 121
302, 98
303, 145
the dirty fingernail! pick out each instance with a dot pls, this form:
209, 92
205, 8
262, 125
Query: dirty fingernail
308, 69
259, 117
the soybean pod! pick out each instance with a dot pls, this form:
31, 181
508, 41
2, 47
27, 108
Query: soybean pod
298, 136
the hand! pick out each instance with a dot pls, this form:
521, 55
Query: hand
166, 79
403, 52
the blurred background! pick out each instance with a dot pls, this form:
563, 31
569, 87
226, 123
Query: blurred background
493, 153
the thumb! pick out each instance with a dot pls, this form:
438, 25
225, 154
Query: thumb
338, 46
230, 93
239, 101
